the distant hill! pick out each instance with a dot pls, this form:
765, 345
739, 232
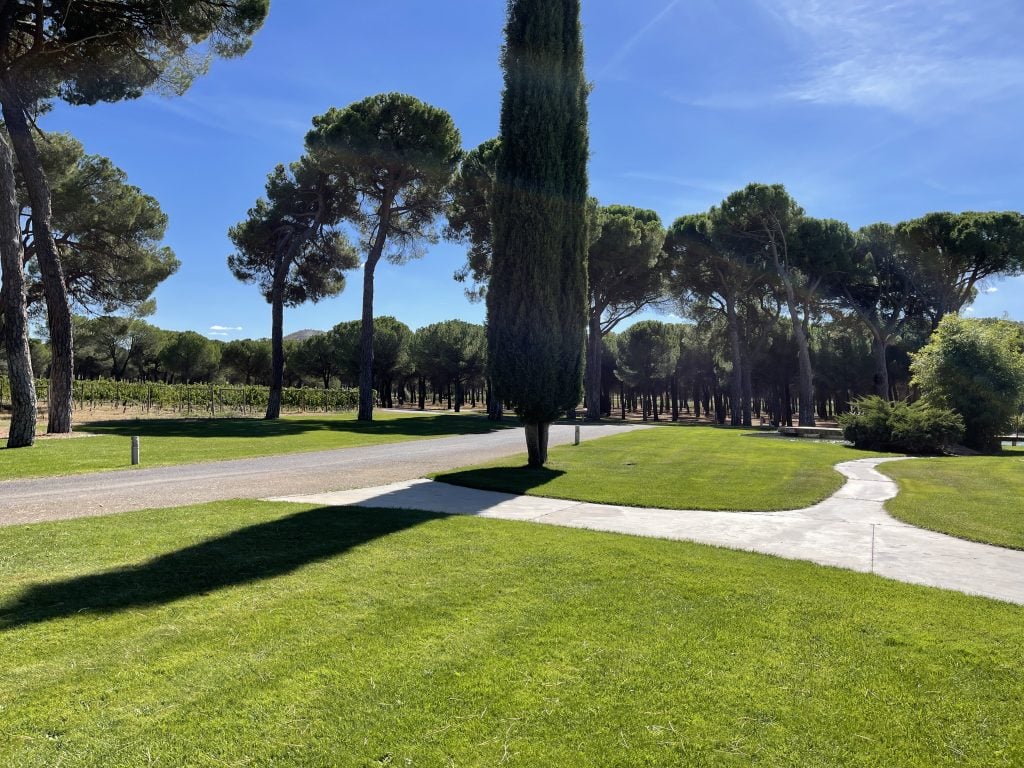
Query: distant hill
302, 335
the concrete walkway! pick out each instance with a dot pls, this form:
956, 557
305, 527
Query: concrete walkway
851, 529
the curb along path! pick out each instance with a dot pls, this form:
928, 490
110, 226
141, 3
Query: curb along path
850, 529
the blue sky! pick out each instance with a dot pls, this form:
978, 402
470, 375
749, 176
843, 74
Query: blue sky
866, 111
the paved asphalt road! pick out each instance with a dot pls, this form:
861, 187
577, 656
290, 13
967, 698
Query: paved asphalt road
103, 493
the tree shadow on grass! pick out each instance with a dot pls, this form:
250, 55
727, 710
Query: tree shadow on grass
520, 480
255, 553
411, 426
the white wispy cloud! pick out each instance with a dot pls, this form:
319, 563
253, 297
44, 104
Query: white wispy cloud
716, 186
226, 328
634, 40
991, 289
247, 117
910, 56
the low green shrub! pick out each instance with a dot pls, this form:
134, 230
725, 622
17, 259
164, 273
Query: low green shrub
867, 424
876, 424
974, 366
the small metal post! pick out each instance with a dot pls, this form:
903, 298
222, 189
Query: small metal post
577, 435
135, 450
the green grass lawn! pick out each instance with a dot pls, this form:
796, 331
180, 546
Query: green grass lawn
259, 634
973, 497
676, 468
184, 441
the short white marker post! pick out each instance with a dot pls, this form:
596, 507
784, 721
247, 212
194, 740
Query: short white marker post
135, 450
577, 435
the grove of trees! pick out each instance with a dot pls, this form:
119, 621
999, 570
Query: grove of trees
84, 53
781, 316
399, 156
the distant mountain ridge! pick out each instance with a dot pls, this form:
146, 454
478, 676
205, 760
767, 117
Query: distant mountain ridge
302, 335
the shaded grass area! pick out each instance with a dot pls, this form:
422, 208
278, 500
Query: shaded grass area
184, 441
259, 634
676, 468
980, 498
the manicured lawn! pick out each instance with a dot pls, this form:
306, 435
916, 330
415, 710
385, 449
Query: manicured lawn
973, 497
676, 468
184, 441
260, 634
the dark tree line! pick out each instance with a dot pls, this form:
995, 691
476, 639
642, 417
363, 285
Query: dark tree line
445, 361
757, 260
805, 314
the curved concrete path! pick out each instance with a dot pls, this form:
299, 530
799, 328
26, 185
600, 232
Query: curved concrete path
850, 529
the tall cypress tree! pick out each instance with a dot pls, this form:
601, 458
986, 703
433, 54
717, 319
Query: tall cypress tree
537, 300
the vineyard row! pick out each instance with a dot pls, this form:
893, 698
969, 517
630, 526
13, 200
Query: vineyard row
211, 399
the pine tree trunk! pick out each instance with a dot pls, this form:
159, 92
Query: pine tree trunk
537, 444
806, 376
366, 348
366, 332
736, 380
494, 409
593, 370
881, 366
806, 413
276, 346
748, 394
22, 432
58, 307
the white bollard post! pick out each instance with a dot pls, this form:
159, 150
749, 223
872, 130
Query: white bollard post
135, 450
577, 435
